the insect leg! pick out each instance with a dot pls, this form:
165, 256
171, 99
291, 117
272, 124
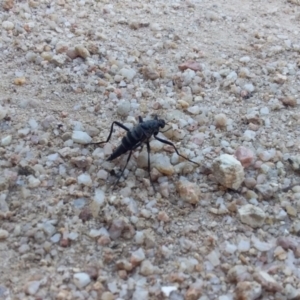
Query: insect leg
148, 150
171, 144
119, 177
111, 130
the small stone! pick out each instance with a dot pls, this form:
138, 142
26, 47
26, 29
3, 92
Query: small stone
189, 191
85, 179
6, 140
59, 59
8, 4
20, 81
291, 293
3, 234
167, 290
137, 257
81, 137
247, 290
244, 246
107, 296
194, 110
289, 101
261, 246
33, 182
150, 73
128, 73
81, 279
236, 272
61, 47
267, 190
81, 162
245, 59
193, 65
244, 155
116, 228
146, 268
32, 287
228, 171
162, 164
7, 25
292, 211
82, 51
252, 215
220, 120
214, 258
124, 108
279, 78
267, 282
194, 292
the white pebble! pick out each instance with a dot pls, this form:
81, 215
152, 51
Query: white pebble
6, 140
123, 108
7, 25
33, 124
81, 137
84, 179
244, 246
252, 215
81, 280
249, 135
128, 73
245, 59
33, 182
194, 110
249, 87
264, 111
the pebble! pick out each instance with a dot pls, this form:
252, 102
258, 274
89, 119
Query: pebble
81, 137
162, 164
3, 234
59, 59
33, 182
247, 290
244, 246
189, 191
167, 290
7, 25
146, 268
5, 141
244, 155
228, 171
124, 108
194, 110
137, 257
128, 73
235, 273
82, 51
193, 65
252, 215
266, 190
81, 279
267, 282
85, 179
32, 287
220, 120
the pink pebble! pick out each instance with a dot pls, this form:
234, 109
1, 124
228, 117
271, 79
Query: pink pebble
244, 155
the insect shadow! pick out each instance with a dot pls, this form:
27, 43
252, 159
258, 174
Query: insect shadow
136, 137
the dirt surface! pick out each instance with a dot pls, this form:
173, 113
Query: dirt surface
224, 75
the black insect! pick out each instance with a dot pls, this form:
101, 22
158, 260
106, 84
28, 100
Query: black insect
136, 137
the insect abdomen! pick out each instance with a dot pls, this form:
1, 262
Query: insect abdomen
129, 142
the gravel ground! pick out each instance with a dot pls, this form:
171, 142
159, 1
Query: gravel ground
224, 75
